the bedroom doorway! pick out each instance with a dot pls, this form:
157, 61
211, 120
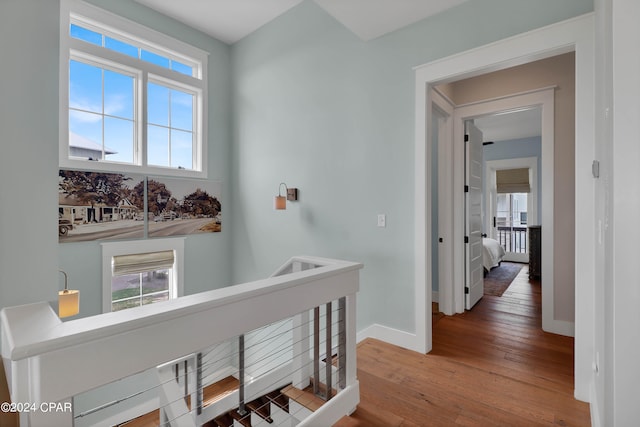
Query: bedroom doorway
541, 100
558, 305
512, 195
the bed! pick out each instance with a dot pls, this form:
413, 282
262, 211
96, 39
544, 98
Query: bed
492, 254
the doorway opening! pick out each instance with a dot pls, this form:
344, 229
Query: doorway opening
567, 36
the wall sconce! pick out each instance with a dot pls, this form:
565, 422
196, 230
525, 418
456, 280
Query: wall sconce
68, 300
280, 201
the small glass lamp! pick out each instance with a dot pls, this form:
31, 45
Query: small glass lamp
68, 300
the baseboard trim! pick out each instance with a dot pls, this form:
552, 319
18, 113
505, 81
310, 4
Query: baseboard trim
435, 296
560, 327
389, 335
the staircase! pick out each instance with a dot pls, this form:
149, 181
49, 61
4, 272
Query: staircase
178, 357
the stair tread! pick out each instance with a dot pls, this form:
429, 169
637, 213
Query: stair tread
219, 389
305, 397
245, 419
262, 408
224, 420
279, 399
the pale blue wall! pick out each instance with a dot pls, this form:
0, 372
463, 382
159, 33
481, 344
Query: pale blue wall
303, 101
30, 253
318, 108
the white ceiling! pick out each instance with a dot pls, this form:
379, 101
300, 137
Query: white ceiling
511, 125
231, 20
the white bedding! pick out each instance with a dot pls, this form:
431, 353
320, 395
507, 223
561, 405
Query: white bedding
492, 253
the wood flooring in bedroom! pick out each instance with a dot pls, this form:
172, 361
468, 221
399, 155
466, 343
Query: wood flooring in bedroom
491, 366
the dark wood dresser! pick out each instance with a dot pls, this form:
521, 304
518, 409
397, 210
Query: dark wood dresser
535, 251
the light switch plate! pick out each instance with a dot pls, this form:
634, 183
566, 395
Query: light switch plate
382, 220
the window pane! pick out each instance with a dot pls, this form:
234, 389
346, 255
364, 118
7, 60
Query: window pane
121, 47
181, 68
122, 305
85, 87
155, 281
157, 146
85, 135
181, 149
157, 104
181, 110
145, 55
118, 139
118, 94
150, 299
78, 32
126, 286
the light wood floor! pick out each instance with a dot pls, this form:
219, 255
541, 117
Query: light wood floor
491, 366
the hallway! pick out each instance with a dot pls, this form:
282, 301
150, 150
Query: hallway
491, 366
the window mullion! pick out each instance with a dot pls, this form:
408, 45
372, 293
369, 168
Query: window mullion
140, 284
142, 146
102, 113
170, 128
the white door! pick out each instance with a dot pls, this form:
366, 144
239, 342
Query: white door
474, 287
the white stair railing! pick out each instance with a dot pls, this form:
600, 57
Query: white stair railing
48, 360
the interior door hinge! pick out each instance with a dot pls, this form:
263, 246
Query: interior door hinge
466, 290
466, 188
466, 138
466, 239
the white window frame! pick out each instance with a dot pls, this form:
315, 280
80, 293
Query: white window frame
111, 249
109, 24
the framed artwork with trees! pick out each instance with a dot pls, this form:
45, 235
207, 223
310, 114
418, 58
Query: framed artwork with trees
99, 206
183, 206
108, 206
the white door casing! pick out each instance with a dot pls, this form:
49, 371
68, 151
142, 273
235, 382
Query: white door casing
574, 34
445, 203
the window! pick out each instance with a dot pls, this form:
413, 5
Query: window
141, 272
136, 98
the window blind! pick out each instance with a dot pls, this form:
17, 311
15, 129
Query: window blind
513, 181
140, 263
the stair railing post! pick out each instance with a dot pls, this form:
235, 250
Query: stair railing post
316, 350
241, 405
301, 371
342, 343
199, 389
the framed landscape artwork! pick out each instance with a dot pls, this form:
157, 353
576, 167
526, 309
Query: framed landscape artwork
110, 206
100, 206
183, 206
